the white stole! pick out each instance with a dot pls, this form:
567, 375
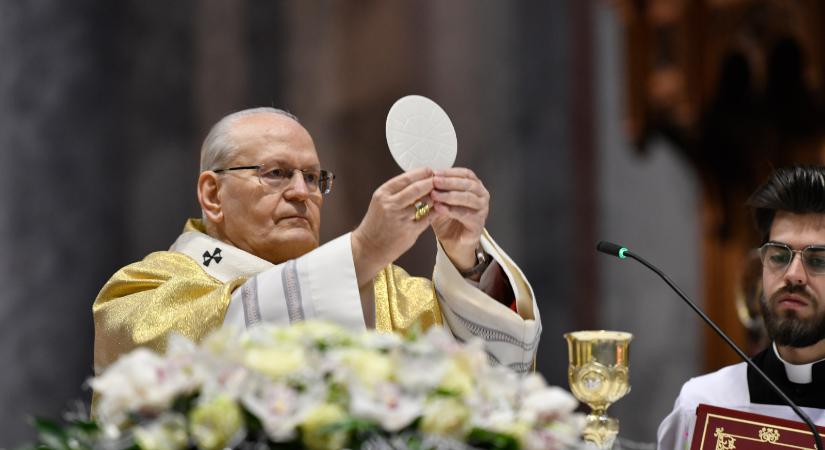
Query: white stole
322, 285
318, 285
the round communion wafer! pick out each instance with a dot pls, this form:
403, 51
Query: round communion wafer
420, 134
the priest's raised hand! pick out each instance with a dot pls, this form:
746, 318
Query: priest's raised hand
389, 227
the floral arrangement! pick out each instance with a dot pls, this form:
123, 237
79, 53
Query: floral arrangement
317, 386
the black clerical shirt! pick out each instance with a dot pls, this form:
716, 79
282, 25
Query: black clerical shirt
811, 395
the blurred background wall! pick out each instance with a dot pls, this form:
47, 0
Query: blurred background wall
586, 119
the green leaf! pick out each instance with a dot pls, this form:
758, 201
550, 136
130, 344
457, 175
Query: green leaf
254, 427
338, 394
444, 392
32, 447
184, 403
51, 435
89, 426
351, 424
83, 431
491, 440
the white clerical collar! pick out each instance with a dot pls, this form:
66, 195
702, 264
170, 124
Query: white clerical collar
219, 259
797, 373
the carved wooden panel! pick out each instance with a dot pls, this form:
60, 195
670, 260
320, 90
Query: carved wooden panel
737, 85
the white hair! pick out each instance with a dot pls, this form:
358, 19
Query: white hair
218, 148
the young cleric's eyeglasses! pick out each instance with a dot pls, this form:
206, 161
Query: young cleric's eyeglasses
777, 257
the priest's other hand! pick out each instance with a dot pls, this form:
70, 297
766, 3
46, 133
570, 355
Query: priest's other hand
461, 203
388, 229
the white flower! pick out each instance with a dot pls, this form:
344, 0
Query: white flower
313, 333
225, 341
500, 385
179, 346
532, 382
298, 380
216, 423
140, 381
278, 407
547, 405
386, 404
421, 370
499, 419
561, 434
275, 361
457, 378
446, 416
226, 379
168, 432
368, 367
316, 433
379, 341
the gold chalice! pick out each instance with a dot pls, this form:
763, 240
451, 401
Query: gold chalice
598, 376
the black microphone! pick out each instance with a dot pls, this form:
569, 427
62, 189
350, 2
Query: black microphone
623, 253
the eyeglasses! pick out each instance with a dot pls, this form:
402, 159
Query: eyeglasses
279, 178
777, 257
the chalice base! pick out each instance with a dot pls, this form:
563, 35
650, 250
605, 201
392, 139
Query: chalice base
600, 430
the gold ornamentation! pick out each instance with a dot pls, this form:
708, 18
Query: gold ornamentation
421, 210
598, 375
769, 435
724, 441
403, 302
170, 292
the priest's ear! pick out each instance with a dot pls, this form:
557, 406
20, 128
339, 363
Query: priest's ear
208, 196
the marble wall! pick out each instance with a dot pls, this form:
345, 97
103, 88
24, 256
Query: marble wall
97, 167
60, 228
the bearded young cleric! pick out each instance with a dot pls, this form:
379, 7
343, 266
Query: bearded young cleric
790, 214
255, 255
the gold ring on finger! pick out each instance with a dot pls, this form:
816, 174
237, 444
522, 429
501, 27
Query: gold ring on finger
421, 210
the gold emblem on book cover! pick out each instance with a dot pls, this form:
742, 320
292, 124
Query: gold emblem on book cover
770, 435
724, 441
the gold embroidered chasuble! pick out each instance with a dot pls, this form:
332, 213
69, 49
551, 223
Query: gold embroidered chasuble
170, 292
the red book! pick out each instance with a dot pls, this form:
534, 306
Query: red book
728, 429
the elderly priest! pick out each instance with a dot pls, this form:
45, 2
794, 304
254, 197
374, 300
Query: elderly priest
256, 257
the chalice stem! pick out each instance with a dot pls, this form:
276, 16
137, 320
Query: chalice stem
600, 429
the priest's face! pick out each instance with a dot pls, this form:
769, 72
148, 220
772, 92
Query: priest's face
271, 222
793, 306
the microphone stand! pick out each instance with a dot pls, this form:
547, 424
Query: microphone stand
623, 253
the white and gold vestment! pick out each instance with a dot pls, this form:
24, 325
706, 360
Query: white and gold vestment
201, 284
